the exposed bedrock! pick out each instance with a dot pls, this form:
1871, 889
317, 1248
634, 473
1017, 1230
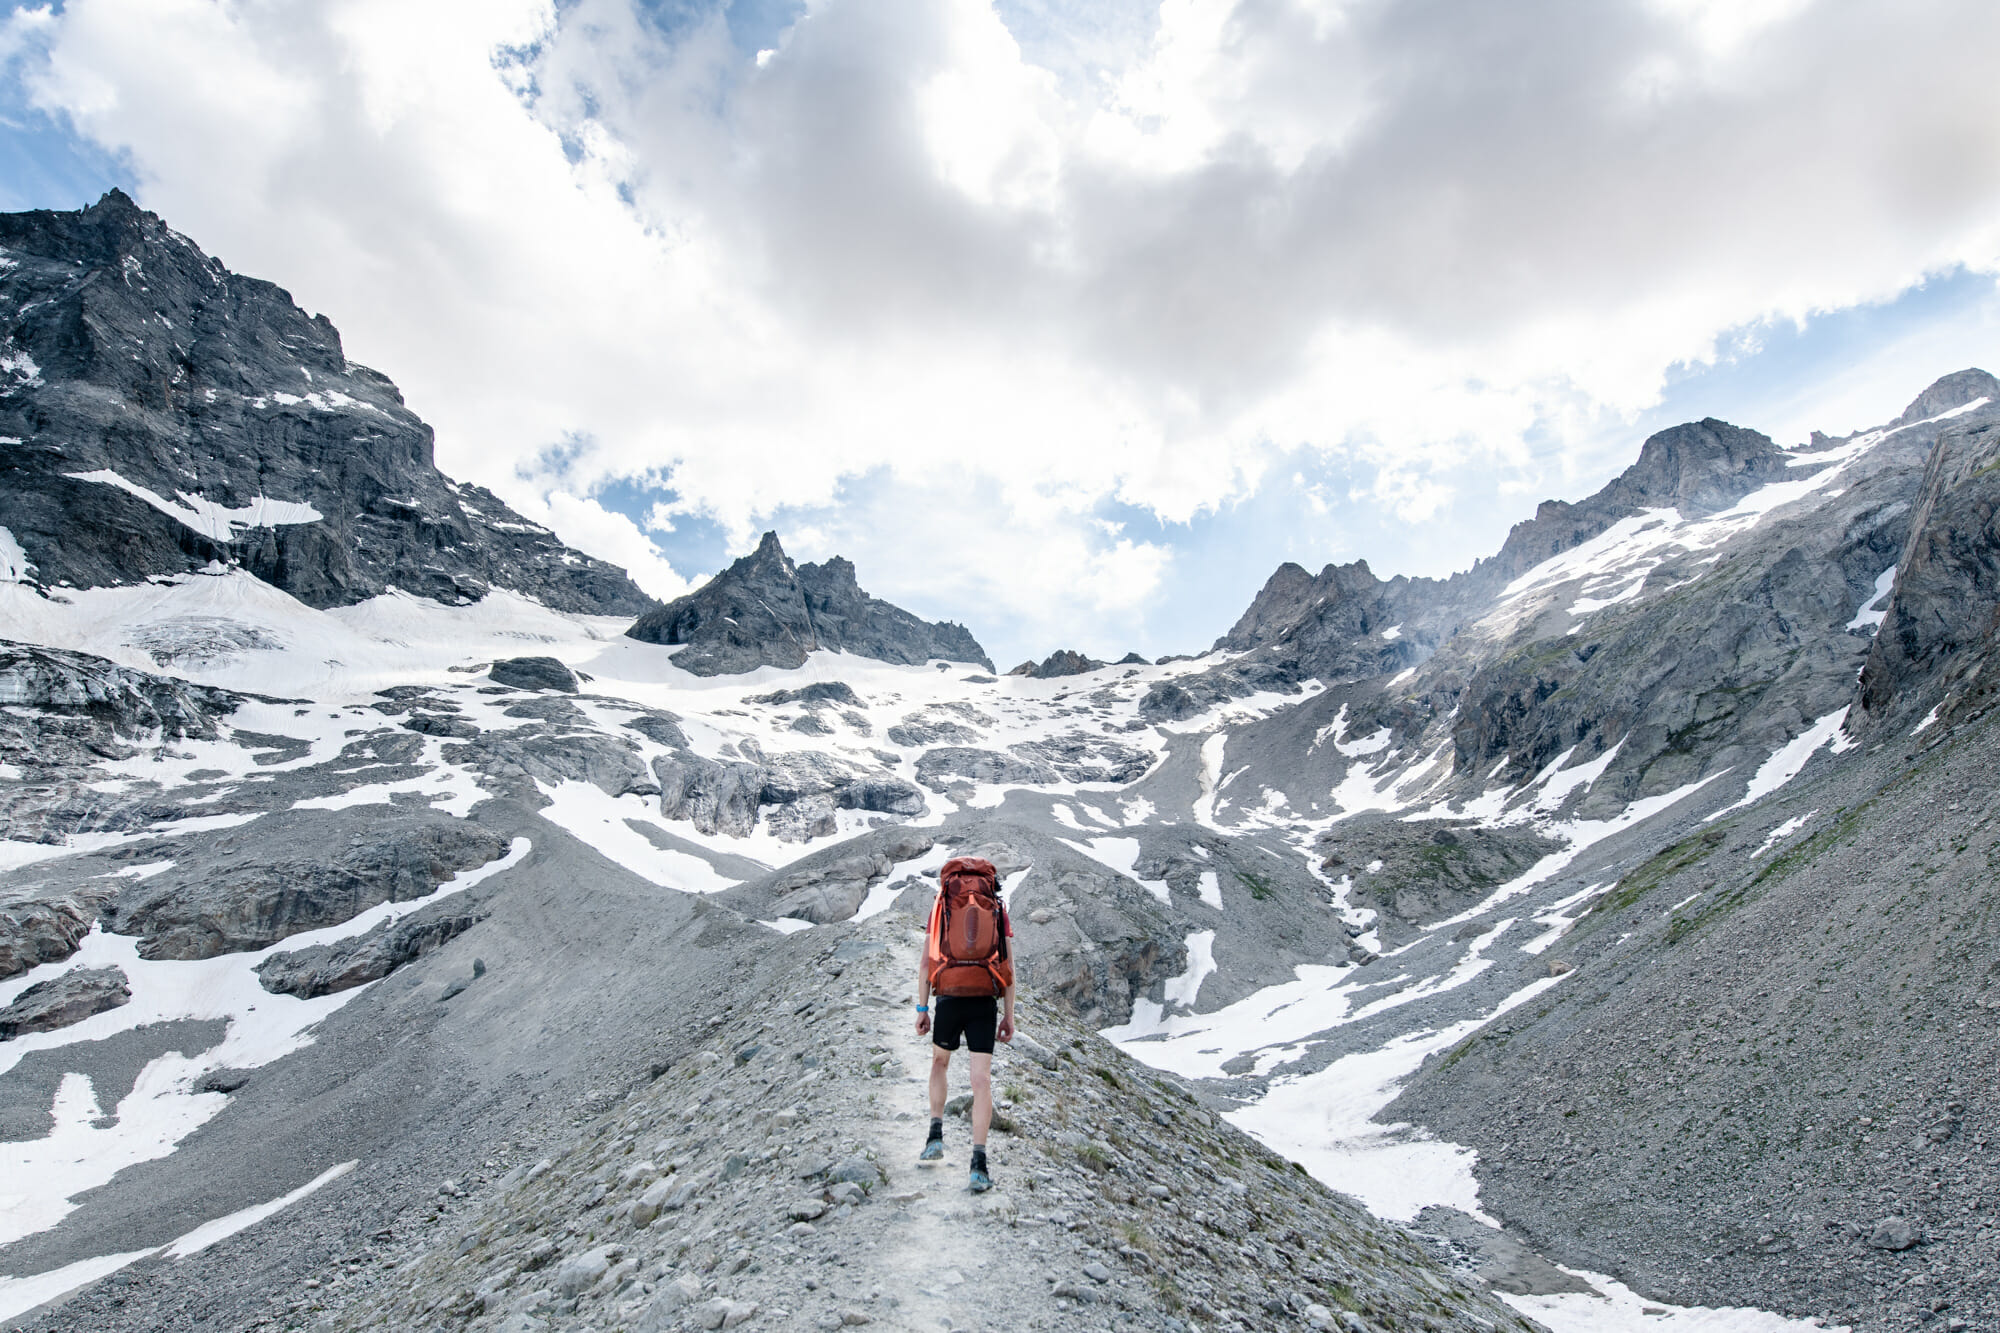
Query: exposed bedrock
62, 1000
1937, 644
795, 793
43, 923
830, 885
816, 695
1062, 662
60, 709
939, 768
514, 762
276, 876
1423, 871
326, 969
533, 673
1075, 757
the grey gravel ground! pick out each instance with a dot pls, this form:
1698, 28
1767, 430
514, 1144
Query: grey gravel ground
1772, 1075
771, 1179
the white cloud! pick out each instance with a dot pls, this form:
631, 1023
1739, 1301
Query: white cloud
588, 526
906, 242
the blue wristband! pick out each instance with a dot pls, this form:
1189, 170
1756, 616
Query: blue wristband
923, 1008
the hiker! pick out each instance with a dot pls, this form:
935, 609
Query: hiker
968, 964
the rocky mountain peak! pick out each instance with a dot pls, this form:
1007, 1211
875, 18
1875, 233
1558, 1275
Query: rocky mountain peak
1699, 466
765, 611
1289, 596
1953, 390
1061, 662
159, 413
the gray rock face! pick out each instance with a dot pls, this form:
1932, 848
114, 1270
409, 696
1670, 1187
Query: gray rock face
1757, 640
61, 1001
715, 795
1080, 757
819, 693
939, 768
1332, 625
59, 709
1939, 636
1421, 871
534, 673
290, 872
1952, 391
830, 886
663, 728
150, 367
41, 926
765, 611
1062, 662
918, 730
806, 788
326, 969
515, 762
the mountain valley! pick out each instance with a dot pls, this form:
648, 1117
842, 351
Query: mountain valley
406, 922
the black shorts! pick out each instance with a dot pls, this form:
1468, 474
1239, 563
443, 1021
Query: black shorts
973, 1017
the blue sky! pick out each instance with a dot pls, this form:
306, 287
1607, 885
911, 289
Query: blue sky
1066, 322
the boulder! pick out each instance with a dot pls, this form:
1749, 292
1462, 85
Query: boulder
1893, 1233
819, 693
62, 1000
327, 969
43, 924
533, 673
939, 768
580, 1273
668, 1302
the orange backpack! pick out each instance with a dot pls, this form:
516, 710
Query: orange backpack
966, 953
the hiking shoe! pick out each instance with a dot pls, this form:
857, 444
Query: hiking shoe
933, 1151
981, 1182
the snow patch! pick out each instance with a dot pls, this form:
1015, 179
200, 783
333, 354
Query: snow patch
1876, 609
1790, 759
222, 1228
605, 823
211, 520
1783, 831
15, 567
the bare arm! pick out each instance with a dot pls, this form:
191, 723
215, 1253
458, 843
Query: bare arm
1005, 1032
923, 998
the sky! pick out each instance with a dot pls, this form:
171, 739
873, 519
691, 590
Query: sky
1068, 322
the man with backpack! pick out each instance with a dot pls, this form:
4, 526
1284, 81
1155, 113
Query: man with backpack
968, 965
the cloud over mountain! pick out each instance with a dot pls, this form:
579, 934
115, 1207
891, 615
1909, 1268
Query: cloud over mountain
761, 262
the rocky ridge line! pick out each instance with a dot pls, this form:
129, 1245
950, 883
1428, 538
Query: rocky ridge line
769, 1181
135, 363
765, 611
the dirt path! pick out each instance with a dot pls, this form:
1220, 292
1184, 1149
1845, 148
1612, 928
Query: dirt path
957, 1259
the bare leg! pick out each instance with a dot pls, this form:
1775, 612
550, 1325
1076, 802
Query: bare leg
982, 1096
941, 1061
